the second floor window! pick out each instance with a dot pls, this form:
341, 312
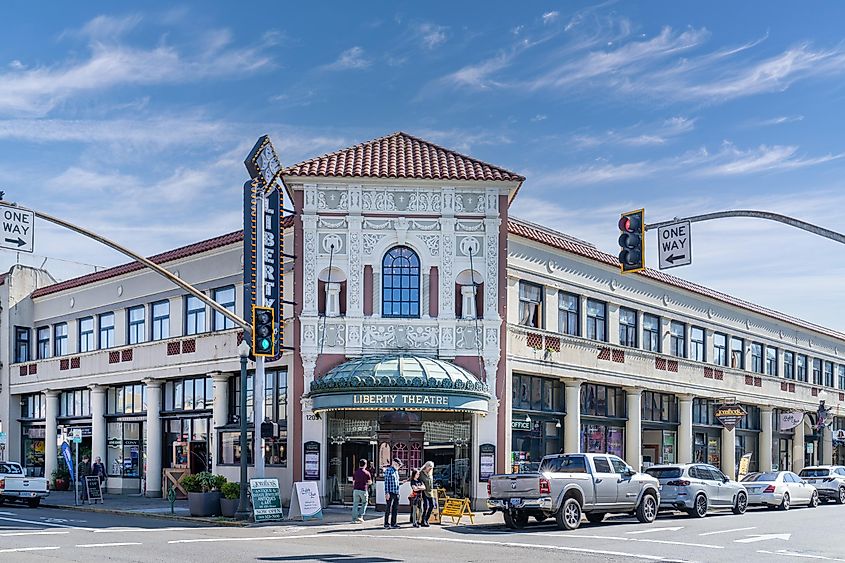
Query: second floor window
651, 333
60, 339
817, 371
828, 374
696, 341
737, 353
226, 297
567, 314
842, 377
627, 327
771, 360
678, 339
135, 324
801, 367
756, 357
596, 320
720, 349
22, 344
161, 320
789, 365
530, 305
194, 315
400, 283
43, 337
86, 334
106, 330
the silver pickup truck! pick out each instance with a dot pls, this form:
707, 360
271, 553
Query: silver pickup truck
15, 485
568, 485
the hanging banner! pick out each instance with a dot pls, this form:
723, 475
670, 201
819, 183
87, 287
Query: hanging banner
730, 415
66, 455
744, 463
789, 420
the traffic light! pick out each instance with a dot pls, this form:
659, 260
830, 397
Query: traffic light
632, 241
262, 331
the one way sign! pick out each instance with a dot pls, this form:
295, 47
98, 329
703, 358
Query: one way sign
675, 245
17, 227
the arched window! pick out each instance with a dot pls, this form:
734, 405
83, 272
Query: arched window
400, 283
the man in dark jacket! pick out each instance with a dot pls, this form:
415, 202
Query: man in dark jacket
83, 470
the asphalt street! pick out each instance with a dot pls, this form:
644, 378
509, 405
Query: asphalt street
41, 535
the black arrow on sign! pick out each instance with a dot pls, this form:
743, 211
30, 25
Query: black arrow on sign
672, 258
19, 241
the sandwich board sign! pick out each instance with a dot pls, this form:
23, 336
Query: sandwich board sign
674, 245
266, 500
305, 501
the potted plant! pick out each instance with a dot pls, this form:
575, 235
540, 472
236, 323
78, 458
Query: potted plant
203, 493
231, 495
60, 478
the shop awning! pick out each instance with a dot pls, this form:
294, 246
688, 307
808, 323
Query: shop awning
399, 382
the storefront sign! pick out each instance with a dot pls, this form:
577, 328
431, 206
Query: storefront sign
266, 500
789, 420
730, 415
305, 501
420, 401
487, 462
521, 424
311, 469
744, 463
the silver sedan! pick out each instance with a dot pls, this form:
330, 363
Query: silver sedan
779, 489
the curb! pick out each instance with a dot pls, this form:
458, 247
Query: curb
212, 521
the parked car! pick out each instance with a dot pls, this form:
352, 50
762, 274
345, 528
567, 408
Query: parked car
829, 481
15, 485
569, 485
779, 489
696, 488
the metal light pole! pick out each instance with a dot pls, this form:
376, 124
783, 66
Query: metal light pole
821, 422
243, 504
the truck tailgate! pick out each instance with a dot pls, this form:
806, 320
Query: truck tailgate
516, 485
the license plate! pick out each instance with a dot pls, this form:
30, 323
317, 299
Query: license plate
516, 501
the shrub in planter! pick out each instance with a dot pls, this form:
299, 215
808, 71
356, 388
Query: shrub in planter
231, 496
203, 493
60, 479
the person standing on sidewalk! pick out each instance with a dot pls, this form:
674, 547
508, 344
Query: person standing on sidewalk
361, 479
427, 493
83, 470
99, 470
391, 494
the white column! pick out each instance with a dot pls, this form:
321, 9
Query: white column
665, 338
613, 323
634, 428
766, 436
685, 428
98, 423
798, 448
572, 420
550, 304
729, 452
220, 407
468, 301
332, 299
51, 450
153, 438
582, 315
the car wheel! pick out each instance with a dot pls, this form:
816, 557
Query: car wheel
840, 498
508, 520
595, 517
647, 509
699, 508
741, 504
784, 504
569, 515
33, 502
814, 500
518, 519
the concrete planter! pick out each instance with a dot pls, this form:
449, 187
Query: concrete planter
228, 507
204, 504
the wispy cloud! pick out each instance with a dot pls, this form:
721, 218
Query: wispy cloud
350, 59
431, 35
638, 135
549, 17
779, 120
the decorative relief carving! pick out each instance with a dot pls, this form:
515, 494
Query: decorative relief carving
333, 335
432, 242
447, 337
479, 205
310, 265
492, 283
354, 198
353, 334
491, 364
459, 203
378, 225
401, 337
469, 226
354, 270
370, 241
332, 199
332, 240
308, 335
378, 201
424, 225
448, 200
424, 200
379, 335
491, 338
469, 246
324, 223
447, 298
466, 338
421, 336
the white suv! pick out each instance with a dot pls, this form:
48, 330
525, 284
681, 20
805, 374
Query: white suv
829, 481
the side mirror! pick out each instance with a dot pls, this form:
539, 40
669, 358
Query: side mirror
629, 472
803, 481
725, 479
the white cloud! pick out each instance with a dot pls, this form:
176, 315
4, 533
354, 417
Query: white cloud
351, 59
109, 27
17, 65
432, 35
779, 120
638, 135
549, 17
478, 76
539, 117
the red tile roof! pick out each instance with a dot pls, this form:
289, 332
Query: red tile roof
400, 155
566, 243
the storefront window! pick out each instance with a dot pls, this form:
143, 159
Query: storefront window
537, 393
127, 399
75, 403
601, 438
746, 443
602, 401
230, 448
707, 448
124, 447
533, 438
188, 394
659, 407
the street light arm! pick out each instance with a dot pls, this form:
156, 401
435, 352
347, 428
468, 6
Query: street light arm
146, 262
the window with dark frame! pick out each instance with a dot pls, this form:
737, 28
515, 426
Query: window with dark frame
106, 322
60, 339
697, 347
127, 399
756, 357
33, 406
801, 367
568, 314
720, 349
42, 335
533, 393
627, 327
86, 334
161, 320
842, 377
817, 371
771, 361
602, 401
275, 407
651, 333
530, 304
188, 394
788, 365
135, 324
194, 315
596, 320
400, 282
659, 407
678, 339
75, 403
225, 296
22, 344
828, 374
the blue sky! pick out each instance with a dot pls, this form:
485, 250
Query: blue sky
134, 119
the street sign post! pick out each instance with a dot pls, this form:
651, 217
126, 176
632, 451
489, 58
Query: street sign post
17, 228
675, 245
